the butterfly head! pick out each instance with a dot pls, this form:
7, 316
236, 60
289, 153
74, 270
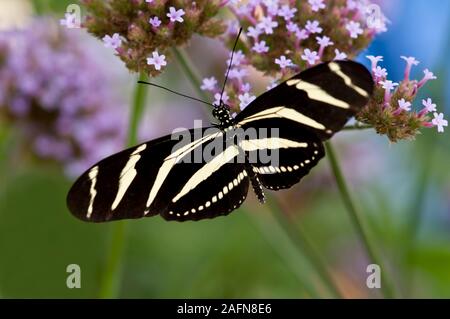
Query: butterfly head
222, 114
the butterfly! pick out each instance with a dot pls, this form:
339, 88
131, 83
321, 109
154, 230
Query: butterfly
157, 177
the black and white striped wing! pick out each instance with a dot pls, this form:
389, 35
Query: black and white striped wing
293, 152
320, 99
158, 178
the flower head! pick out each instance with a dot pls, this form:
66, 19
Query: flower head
310, 56
225, 98
261, 47
245, 99
287, 12
157, 60
404, 105
380, 73
209, 84
267, 25
339, 55
375, 60
70, 21
439, 122
410, 61
66, 115
113, 41
316, 5
155, 21
283, 62
146, 27
429, 106
354, 28
175, 15
313, 26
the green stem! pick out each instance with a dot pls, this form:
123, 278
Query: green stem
191, 73
140, 95
415, 220
112, 272
358, 221
304, 245
189, 70
282, 245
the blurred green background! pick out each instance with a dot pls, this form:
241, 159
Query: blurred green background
403, 191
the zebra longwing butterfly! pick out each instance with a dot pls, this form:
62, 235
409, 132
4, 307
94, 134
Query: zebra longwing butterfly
154, 178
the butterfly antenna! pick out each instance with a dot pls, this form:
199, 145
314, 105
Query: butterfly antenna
230, 64
177, 93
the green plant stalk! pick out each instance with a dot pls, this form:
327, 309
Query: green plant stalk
304, 245
280, 242
358, 222
112, 272
191, 73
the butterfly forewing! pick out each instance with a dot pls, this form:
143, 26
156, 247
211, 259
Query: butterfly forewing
144, 180
321, 99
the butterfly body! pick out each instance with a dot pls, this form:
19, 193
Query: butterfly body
209, 175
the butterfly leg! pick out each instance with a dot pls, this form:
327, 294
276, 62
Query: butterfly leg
256, 184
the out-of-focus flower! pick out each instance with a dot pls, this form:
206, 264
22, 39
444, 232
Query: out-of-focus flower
439, 122
245, 99
283, 62
209, 84
157, 60
70, 21
113, 41
145, 27
176, 15
58, 96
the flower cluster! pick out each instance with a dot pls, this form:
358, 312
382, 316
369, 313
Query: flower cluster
57, 97
283, 37
390, 111
142, 31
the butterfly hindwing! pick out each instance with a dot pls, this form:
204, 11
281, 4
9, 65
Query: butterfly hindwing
293, 152
321, 99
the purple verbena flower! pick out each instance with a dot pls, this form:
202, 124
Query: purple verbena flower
267, 25
439, 122
155, 22
67, 115
283, 62
310, 56
261, 47
313, 26
354, 28
316, 5
209, 84
175, 15
113, 41
245, 99
286, 12
157, 60
410, 61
